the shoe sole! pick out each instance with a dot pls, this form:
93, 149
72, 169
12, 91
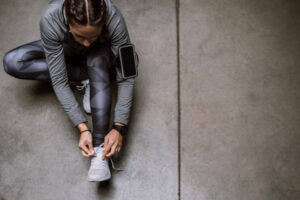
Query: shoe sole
89, 113
86, 110
98, 180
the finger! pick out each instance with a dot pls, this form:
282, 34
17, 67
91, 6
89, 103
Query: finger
106, 140
84, 154
113, 150
91, 148
105, 146
85, 149
107, 149
118, 149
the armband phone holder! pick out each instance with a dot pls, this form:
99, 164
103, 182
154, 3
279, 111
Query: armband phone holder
128, 60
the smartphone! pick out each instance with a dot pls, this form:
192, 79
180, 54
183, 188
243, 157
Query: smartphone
128, 61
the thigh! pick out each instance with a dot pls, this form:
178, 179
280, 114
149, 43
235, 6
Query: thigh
27, 61
101, 58
29, 51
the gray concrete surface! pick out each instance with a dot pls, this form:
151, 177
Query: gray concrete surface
239, 100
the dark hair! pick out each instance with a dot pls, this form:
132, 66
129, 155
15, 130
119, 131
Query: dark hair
85, 12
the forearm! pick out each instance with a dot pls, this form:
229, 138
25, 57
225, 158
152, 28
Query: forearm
69, 104
82, 126
124, 101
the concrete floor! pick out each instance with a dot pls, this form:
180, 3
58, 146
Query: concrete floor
238, 107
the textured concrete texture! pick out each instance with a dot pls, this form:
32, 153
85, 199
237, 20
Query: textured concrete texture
240, 99
239, 107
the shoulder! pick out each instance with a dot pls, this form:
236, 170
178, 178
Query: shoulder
112, 12
52, 10
52, 21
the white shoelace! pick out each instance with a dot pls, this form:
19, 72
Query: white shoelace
113, 166
102, 163
84, 85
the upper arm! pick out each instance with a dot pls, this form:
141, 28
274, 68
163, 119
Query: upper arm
118, 31
54, 54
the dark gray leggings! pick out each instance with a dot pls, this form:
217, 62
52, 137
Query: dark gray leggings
28, 62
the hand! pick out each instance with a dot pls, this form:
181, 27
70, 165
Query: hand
85, 144
112, 143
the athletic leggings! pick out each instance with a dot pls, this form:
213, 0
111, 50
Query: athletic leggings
28, 62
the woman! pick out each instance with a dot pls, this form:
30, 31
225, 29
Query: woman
79, 43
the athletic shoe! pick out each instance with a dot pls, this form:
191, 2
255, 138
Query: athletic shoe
99, 168
86, 97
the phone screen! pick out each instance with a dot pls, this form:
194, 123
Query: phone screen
127, 57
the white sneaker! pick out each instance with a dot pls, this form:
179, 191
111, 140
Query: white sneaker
86, 97
99, 169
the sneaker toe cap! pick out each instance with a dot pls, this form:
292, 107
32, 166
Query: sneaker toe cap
98, 174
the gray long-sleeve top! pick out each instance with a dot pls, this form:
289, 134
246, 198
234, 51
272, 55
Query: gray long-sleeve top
52, 29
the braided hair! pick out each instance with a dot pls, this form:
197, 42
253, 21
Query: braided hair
85, 12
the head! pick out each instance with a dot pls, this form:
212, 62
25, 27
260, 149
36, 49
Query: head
86, 19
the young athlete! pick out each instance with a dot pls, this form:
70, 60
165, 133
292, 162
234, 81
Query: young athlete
79, 44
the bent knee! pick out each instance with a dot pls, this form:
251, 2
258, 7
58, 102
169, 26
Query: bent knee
98, 61
10, 63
